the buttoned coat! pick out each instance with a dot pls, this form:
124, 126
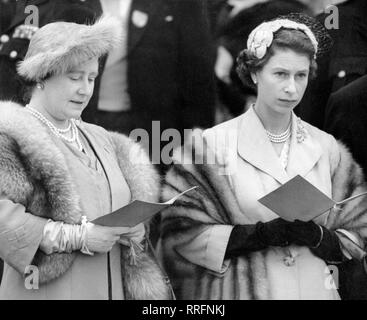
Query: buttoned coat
196, 230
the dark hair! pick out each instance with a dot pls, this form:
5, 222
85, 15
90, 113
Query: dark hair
295, 40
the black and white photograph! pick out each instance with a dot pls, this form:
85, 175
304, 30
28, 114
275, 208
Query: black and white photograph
183, 153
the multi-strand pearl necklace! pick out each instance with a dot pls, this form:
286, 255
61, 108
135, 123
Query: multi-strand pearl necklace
276, 138
279, 138
60, 133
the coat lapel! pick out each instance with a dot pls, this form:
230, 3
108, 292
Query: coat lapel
254, 147
103, 154
302, 155
141, 13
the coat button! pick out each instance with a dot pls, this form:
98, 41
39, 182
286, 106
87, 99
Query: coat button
341, 74
4, 38
13, 54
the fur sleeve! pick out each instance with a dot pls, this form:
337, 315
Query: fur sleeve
14, 183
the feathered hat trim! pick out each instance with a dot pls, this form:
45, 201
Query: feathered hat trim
58, 47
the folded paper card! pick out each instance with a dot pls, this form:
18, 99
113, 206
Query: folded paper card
135, 212
299, 199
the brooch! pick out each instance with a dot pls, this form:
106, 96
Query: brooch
301, 132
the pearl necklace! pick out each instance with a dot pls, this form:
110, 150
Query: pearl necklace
56, 131
279, 138
276, 138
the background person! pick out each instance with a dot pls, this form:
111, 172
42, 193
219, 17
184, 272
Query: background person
345, 62
162, 71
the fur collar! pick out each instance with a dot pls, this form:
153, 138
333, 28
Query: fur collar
44, 160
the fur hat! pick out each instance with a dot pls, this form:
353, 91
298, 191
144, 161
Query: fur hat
58, 47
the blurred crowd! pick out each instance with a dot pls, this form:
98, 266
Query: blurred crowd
177, 63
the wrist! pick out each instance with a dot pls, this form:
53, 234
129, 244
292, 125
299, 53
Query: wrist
84, 236
329, 248
64, 238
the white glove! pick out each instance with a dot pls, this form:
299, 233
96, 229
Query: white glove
135, 234
86, 237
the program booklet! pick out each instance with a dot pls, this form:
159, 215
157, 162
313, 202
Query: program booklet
135, 212
299, 199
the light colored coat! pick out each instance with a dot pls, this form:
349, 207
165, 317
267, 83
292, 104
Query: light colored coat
36, 182
196, 230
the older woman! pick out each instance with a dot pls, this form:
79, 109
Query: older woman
59, 173
221, 243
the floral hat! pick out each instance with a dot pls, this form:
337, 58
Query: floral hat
262, 36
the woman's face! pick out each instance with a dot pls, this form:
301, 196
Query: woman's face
67, 95
282, 81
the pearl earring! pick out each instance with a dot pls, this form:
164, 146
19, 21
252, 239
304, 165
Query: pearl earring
40, 85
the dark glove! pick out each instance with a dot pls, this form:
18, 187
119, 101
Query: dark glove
255, 237
302, 233
321, 241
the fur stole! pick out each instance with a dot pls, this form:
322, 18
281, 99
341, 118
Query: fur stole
34, 173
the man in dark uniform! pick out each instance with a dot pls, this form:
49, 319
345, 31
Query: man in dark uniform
346, 61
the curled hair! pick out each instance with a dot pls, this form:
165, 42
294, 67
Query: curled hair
291, 39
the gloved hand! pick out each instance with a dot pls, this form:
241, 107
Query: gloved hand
302, 233
273, 233
135, 234
255, 237
321, 241
102, 239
